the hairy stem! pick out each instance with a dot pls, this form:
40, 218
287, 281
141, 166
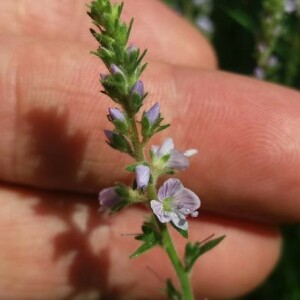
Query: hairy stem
182, 275
137, 145
167, 242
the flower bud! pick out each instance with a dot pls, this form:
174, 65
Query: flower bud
108, 198
116, 114
153, 113
142, 176
131, 49
110, 135
114, 69
138, 89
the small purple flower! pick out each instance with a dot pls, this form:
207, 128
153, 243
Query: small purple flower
153, 113
177, 160
138, 89
174, 203
108, 198
259, 73
110, 135
114, 69
116, 114
205, 24
142, 176
290, 6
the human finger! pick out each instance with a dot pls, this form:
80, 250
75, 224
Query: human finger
166, 35
247, 132
85, 255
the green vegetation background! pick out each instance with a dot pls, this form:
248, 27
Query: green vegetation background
237, 29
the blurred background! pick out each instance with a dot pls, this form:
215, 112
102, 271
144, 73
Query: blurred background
260, 39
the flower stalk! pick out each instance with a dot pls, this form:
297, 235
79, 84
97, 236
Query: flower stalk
172, 202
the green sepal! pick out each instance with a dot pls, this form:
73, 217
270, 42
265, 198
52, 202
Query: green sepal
184, 233
113, 88
121, 126
132, 167
135, 102
149, 130
150, 238
120, 143
194, 251
161, 128
172, 292
119, 206
123, 193
127, 196
146, 126
165, 158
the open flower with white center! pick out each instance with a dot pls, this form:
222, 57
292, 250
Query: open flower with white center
174, 203
177, 160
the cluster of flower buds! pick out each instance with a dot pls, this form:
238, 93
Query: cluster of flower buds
123, 85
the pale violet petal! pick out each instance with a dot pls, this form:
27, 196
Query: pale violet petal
186, 201
153, 113
177, 160
116, 114
142, 176
158, 210
108, 197
190, 152
138, 89
195, 214
166, 147
179, 221
169, 189
154, 149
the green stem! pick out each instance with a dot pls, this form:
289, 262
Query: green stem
137, 146
167, 242
169, 247
182, 275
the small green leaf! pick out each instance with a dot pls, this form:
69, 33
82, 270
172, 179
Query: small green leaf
242, 18
194, 251
184, 233
132, 167
161, 128
172, 292
150, 238
121, 126
211, 244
